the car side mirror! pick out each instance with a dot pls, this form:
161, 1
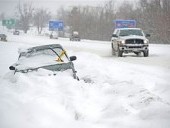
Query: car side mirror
12, 68
72, 58
114, 35
147, 35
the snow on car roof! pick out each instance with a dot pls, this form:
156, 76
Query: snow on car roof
46, 46
26, 49
128, 28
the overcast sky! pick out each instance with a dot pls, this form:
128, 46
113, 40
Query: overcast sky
9, 6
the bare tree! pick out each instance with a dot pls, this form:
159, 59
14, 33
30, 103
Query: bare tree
166, 17
153, 16
2, 16
91, 22
125, 11
25, 12
41, 18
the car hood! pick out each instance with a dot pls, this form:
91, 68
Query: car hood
132, 37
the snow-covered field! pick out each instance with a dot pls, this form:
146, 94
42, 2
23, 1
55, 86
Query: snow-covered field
127, 92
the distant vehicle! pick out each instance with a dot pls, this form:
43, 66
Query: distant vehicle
3, 37
126, 40
75, 36
16, 32
49, 57
54, 35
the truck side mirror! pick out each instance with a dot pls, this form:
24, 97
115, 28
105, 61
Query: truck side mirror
147, 35
114, 35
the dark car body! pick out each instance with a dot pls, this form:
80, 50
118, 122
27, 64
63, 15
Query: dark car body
3, 37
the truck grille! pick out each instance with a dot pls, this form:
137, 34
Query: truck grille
134, 47
134, 41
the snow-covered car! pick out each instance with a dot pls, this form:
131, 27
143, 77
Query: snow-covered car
49, 57
54, 35
75, 36
126, 40
3, 37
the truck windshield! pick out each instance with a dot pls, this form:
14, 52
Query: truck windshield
129, 32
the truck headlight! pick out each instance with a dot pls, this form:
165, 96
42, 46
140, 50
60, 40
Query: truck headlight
121, 42
146, 41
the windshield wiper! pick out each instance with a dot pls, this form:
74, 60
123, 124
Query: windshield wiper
56, 54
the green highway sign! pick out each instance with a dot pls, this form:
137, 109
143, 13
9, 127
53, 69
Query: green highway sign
8, 23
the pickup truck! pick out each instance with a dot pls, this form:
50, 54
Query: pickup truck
129, 40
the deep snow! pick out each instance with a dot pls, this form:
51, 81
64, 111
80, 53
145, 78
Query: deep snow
127, 92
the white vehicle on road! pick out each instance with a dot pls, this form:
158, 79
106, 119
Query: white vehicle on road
126, 40
54, 35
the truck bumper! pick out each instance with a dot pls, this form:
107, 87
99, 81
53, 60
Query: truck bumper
134, 48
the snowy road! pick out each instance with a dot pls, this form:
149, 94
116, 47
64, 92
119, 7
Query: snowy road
131, 92
159, 54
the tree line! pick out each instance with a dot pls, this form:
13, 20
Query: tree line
153, 16
96, 23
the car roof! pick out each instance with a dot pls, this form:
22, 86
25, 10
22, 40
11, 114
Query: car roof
41, 47
127, 28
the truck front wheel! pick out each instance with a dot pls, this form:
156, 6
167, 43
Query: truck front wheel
113, 51
146, 53
120, 53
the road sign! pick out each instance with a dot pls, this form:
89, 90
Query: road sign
125, 23
56, 25
8, 23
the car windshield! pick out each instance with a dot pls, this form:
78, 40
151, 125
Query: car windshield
130, 32
42, 57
